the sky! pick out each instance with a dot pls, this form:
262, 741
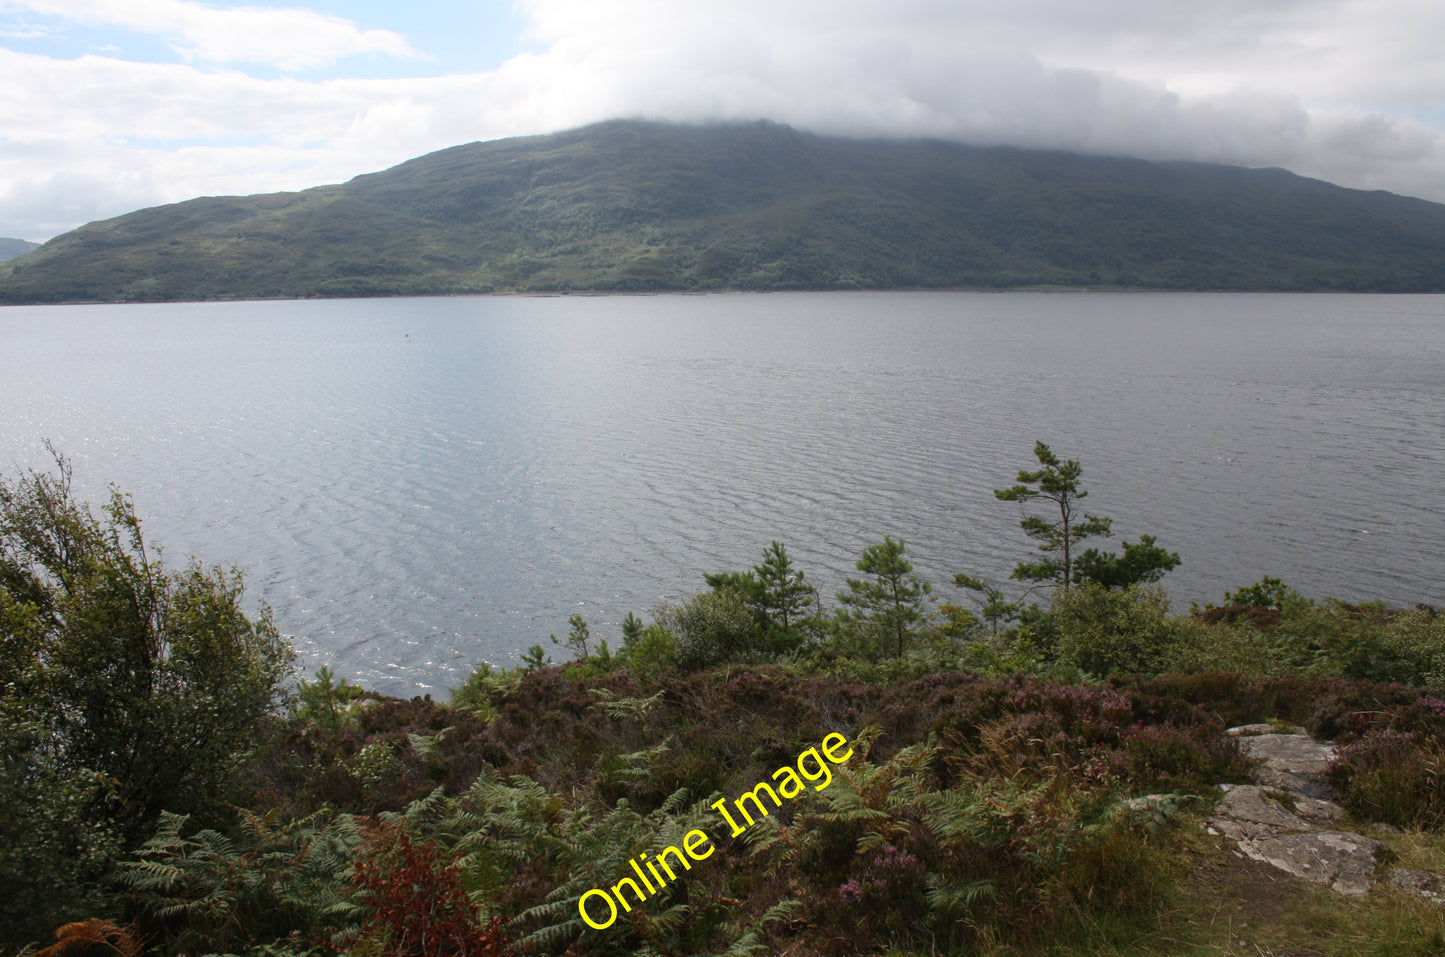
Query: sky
115, 105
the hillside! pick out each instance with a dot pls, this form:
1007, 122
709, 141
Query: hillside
10, 248
628, 205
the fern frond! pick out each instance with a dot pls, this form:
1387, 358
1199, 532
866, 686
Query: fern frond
619, 708
554, 937
423, 745
954, 901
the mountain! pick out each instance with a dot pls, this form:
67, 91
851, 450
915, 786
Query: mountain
630, 205
10, 248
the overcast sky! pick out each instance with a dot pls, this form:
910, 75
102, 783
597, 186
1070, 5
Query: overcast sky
113, 105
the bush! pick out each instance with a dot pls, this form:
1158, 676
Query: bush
651, 652
418, 905
1270, 593
714, 628
140, 687
211, 892
1394, 777
1104, 631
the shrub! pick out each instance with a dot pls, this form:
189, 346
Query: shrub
1394, 777
1195, 758
325, 700
1415, 642
212, 892
651, 652
713, 628
136, 688
895, 854
1270, 593
1104, 631
384, 756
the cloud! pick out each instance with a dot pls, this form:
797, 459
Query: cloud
1328, 88
1305, 85
289, 38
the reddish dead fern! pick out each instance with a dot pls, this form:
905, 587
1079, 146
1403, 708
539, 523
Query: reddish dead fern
93, 937
420, 908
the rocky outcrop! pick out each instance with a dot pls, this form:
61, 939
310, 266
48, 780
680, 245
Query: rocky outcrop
1422, 884
1267, 825
1293, 762
1288, 820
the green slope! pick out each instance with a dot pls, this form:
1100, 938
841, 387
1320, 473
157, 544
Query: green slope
629, 205
10, 248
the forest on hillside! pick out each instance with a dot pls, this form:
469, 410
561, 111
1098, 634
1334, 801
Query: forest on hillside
628, 206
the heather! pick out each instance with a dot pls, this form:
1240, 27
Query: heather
979, 814
1028, 765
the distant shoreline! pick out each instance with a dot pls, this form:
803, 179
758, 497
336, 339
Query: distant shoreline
638, 293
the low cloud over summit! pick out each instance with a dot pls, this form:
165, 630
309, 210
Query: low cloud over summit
112, 110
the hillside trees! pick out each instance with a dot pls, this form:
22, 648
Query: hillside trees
125, 689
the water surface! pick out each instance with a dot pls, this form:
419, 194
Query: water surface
416, 485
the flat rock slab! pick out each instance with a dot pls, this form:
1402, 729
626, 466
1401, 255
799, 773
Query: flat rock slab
1281, 821
1251, 804
1294, 762
1341, 860
1421, 884
1252, 729
1295, 753
1251, 812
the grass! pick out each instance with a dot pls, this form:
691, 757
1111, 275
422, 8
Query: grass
1213, 902
1419, 849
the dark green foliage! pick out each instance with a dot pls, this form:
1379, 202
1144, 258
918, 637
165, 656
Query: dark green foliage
650, 652
1104, 631
379, 759
785, 597
713, 628
1144, 562
54, 850
535, 659
577, 637
628, 205
125, 689
881, 613
1269, 592
778, 594
212, 892
324, 700
1325, 639
1056, 482
996, 609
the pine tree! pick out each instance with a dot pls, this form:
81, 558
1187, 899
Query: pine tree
1058, 482
775, 592
784, 595
891, 604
